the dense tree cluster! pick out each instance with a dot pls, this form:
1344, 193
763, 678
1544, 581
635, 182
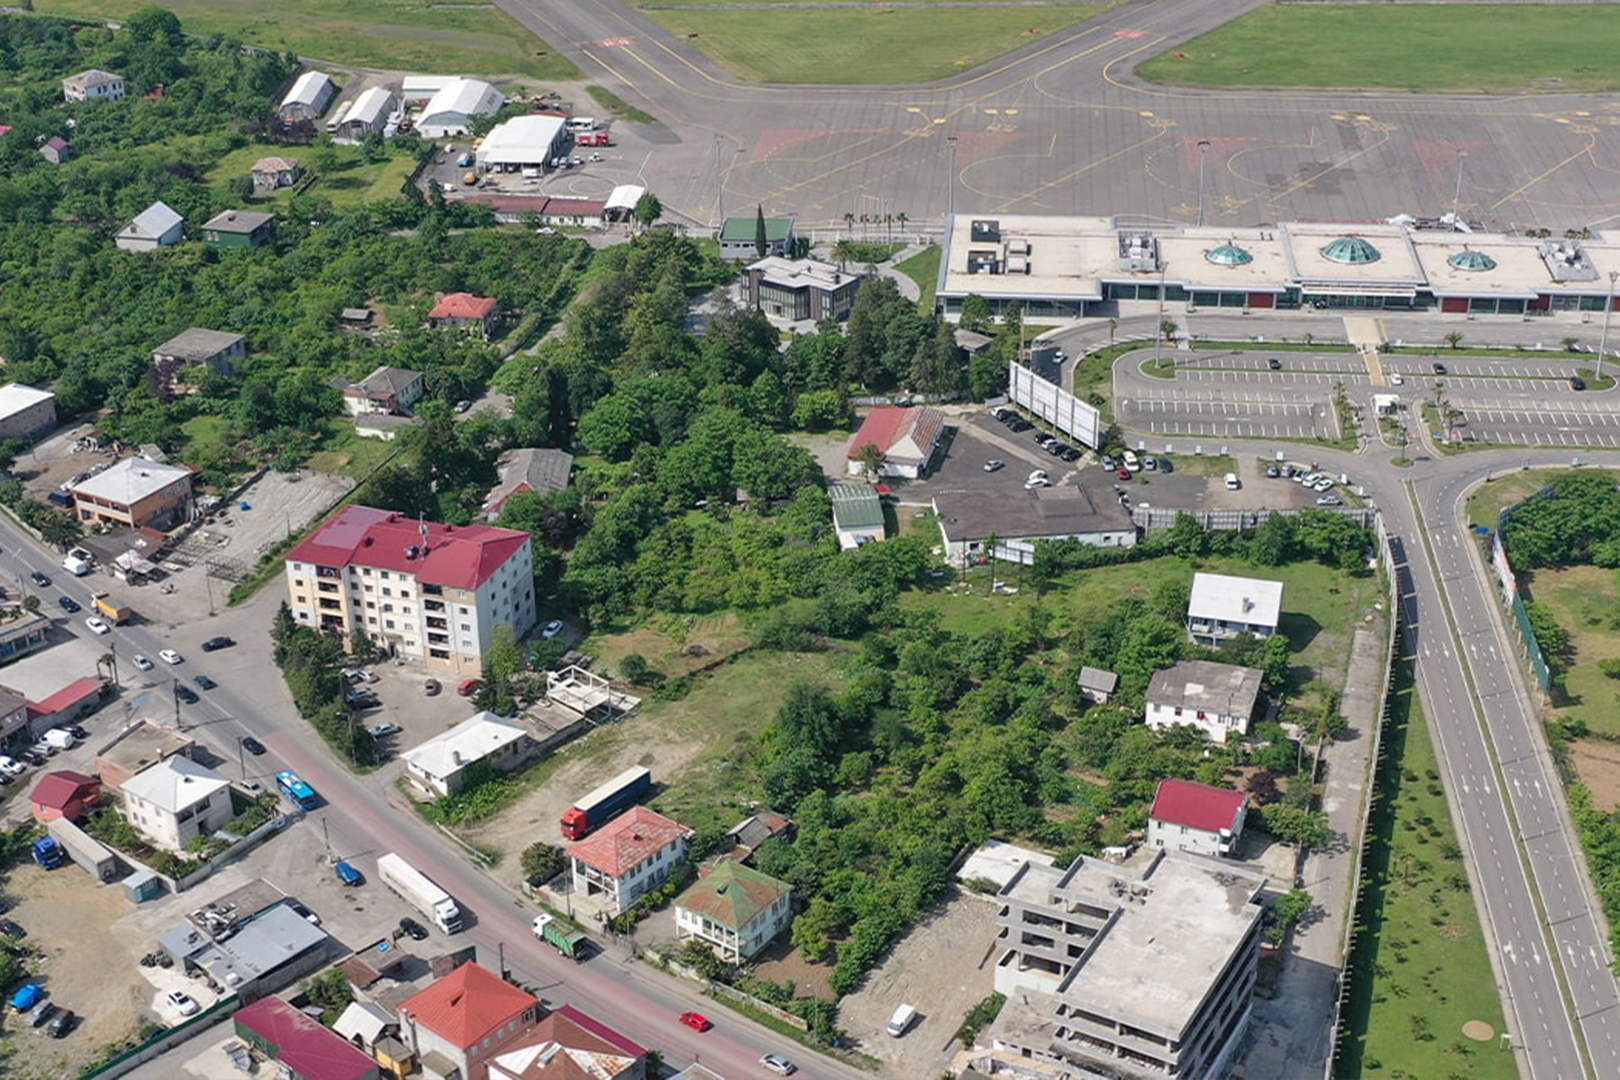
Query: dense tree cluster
1577, 522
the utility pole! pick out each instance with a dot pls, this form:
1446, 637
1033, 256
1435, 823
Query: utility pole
1158, 331
327, 840
950, 188
1608, 310
1203, 152
720, 183
1456, 198
241, 758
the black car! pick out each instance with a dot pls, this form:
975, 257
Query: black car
1165, 466
77, 731
1071, 454
1043, 438
62, 1024
361, 699
1021, 425
214, 643
1274, 364
1055, 448
185, 693
33, 759
413, 929
40, 579
252, 745
1439, 368
69, 604
1577, 383
204, 682
11, 929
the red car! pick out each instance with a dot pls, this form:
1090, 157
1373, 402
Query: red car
696, 1020
1123, 473
468, 687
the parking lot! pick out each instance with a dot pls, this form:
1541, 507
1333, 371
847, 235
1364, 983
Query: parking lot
1522, 423
1254, 414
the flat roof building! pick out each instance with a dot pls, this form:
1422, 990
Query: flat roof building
523, 142
25, 412
1017, 519
135, 492
137, 747
439, 765
1222, 606
800, 289
1218, 699
262, 954
1131, 971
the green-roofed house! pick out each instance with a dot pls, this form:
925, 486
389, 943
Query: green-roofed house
857, 515
734, 908
737, 238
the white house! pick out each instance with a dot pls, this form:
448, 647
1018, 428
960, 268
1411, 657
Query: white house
94, 85
1222, 606
176, 800
907, 438
454, 106
1198, 818
630, 855
1216, 698
157, 226
461, 1021
734, 908
387, 391
26, 412
439, 765
308, 98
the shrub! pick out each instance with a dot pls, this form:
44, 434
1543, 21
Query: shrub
541, 862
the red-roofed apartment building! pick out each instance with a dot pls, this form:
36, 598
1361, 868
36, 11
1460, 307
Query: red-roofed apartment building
427, 591
1196, 817
464, 311
463, 1020
571, 1045
630, 855
907, 437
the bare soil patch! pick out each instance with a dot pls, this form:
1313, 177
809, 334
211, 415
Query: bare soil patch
1597, 763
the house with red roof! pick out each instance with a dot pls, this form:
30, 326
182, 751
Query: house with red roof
464, 311
301, 1045
571, 1045
64, 794
629, 856
464, 1020
907, 437
77, 699
1198, 818
419, 589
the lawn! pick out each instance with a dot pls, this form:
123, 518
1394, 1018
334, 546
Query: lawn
1492, 497
347, 453
861, 44
1320, 606
400, 35
1419, 972
352, 179
1586, 602
923, 268
1423, 47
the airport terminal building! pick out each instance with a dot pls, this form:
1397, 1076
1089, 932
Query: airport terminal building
1071, 267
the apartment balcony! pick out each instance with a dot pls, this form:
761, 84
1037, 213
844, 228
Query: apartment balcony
432, 605
435, 623
438, 639
330, 605
328, 572
326, 587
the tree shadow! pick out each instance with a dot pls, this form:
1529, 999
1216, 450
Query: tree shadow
1300, 630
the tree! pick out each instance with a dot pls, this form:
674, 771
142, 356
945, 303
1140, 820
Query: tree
1307, 830
843, 252
1454, 339
761, 239
820, 410
936, 365
1570, 344
871, 458
58, 529
648, 210
977, 314
1167, 329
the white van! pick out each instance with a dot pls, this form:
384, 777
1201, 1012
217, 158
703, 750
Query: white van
1131, 461
75, 566
1395, 378
901, 1020
580, 123
1232, 482
62, 740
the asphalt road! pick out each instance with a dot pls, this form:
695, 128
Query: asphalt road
366, 815
1061, 127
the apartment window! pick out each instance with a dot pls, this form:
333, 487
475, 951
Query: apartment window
387, 591
300, 600
366, 570
372, 620
439, 654
389, 624
372, 604
465, 628
404, 594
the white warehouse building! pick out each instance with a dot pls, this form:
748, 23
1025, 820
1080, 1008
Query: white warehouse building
310, 95
523, 142
452, 109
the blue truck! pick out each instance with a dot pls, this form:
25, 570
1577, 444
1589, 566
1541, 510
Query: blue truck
48, 853
605, 803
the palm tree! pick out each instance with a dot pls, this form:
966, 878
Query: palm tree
1454, 339
1570, 343
1113, 324
843, 251
1167, 329
109, 662
849, 221
902, 219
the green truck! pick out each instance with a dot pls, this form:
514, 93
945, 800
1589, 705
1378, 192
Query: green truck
569, 942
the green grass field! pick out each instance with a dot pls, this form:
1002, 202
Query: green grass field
1585, 600
1422, 47
923, 268
860, 44
403, 35
352, 180
1491, 498
1420, 971
350, 454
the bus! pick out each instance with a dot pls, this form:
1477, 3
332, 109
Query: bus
299, 793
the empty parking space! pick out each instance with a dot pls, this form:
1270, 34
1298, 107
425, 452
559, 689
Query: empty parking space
1231, 417
1519, 424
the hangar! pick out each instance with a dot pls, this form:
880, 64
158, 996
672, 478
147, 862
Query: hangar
452, 109
523, 142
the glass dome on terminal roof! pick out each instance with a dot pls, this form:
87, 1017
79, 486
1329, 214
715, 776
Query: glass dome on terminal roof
1228, 254
1351, 250
1472, 260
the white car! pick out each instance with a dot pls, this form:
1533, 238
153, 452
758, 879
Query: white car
11, 766
778, 1064
1323, 484
1131, 461
1329, 500
169, 656
553, 628
183, 1003
141, 662
97, 626
383, 730
1038, 474
1036, 482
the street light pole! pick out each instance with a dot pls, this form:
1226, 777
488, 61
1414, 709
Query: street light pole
720, 183
1456, 198
1608, 310
950, 187
1203, 152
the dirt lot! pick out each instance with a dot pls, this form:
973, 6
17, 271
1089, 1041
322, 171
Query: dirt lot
73, 925
1597, 763
54, 462
944, 968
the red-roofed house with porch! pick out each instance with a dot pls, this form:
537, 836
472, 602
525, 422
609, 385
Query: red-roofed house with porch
463, 1020
464, 311
419, 589
907, 437
630, 855
64, 794
571, 1045
301, 1045
1198, 818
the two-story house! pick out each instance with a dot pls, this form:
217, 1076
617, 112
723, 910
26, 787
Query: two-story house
735, 909
94, 85
463, 311
1218, 699
462, 1020
1199, 818
630, 855
176, 800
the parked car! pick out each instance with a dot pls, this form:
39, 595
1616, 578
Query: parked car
348, 874
1329, 500
69, 605
1043, 438
383, 730
1071, 454
1109, 463
431, 687
62, 1024
11, 930
252, 745
185, 693
42, 1011
1150, 463
1323, 484
31, 757
552, 629
141, 662
1037, 474
468, 687
1020, 425
40, 579
1055, 447
27, 996
413, 929
1577, 383
463, 405
1033, 483
97, 626
78, 731
204, 682
304, 913
778, 1064
696, 1021
42, 748
1123, 473
1130, 460
361, 699
1274, 364
993, 465
169, 656
183, 1003
1165, 465
11, 766
1439, 368
215, 643
1273, 472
